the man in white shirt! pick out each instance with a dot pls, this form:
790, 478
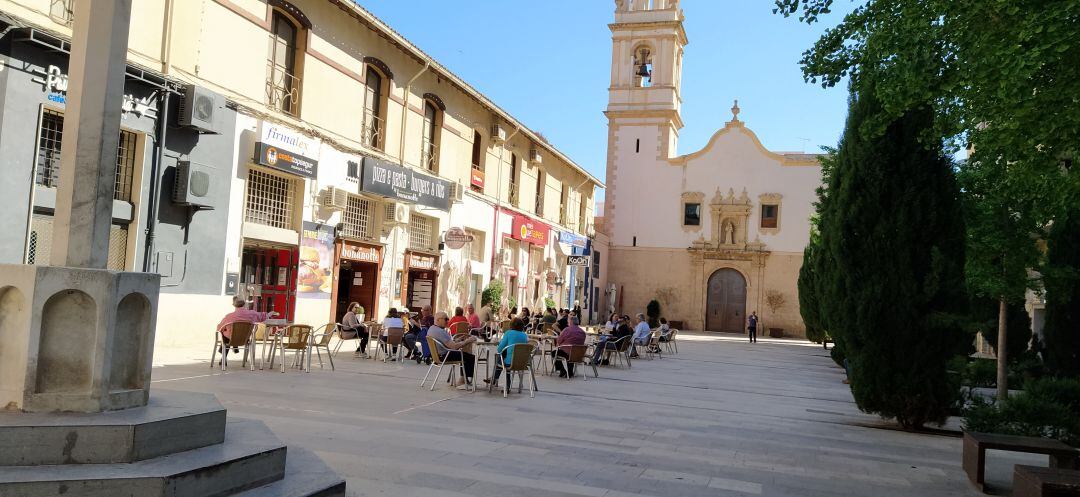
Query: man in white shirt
642, 332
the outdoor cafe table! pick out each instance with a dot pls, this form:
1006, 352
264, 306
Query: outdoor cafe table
275, 331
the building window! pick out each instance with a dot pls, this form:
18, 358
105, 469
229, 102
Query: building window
564, 199
596, 264
582, 219
691, 214
476, 247
282, 79
357, 218
270, 199
371, 132
48, 157
513, 179
538, 206
477, 166
429, 156
421, 232
770, 214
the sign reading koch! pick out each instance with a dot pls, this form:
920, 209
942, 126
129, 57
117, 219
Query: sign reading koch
399, 183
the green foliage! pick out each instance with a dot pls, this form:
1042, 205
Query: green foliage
511, 302
979, 373
1062, 329
809, 307
891, 279
549, 302
652, 311
1049, 408
837, 354
984, 313
492, 294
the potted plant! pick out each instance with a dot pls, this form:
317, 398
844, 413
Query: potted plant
360, 314
775, 301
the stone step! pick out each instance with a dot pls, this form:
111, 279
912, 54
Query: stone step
171, 422
305, 476
251, 456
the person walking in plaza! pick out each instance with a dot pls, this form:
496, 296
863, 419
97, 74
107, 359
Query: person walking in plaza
452, 348
571, 335
515, 335
351, 328
751, 326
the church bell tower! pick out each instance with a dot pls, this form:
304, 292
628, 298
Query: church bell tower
644, 97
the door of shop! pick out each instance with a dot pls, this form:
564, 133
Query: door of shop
269, 278
726, 305
356, 283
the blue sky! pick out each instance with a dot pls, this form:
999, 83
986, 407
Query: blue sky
547, 63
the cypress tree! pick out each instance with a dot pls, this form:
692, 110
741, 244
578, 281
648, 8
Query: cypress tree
892, 281
1061, 332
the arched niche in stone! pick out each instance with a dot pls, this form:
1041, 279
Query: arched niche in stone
12, 331
64, 363
129, 346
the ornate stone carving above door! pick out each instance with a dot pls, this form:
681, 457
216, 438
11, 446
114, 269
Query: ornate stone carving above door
730, 218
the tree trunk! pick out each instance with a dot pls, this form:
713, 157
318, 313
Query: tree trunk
1002, 353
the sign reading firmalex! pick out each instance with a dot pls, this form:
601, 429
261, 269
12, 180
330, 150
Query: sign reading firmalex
286, 150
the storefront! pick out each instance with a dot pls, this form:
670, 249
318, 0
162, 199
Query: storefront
358, 269
533, 236
272, 256
421, 280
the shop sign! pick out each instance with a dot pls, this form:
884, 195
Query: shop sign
314, 278
417, 261
577, 260
456, 238
477, 178
284, 138
360, 253
399, 183
571, 239
283, 160
55, 84
527, 230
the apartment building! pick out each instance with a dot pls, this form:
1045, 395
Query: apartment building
301, 154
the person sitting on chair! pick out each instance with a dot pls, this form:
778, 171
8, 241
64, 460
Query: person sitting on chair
392, 320
352, 328
450, 348
459, 317
642, 332
239, 314
513, 336
571, 335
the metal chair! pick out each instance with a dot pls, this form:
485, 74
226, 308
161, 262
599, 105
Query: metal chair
577, 354
322, 341
437, 360
242, 333
621, 350
460, 327
393, 344
652, 347
295, 339
669, 341
520, 363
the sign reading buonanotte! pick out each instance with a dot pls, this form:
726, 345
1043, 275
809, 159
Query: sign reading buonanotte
399, 183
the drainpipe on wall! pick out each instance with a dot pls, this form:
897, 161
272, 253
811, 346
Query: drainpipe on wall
166, 38
495, 235
155, 178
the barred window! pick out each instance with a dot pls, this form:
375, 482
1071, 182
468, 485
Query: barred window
270, 199
420, 232
388, 212
48, 157
357, 217
40, 249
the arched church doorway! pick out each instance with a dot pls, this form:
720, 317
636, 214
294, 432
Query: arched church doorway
725, 308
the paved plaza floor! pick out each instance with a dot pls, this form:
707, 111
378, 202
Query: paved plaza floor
722, 417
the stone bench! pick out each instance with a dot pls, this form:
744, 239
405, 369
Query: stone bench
976, 444
1035, 481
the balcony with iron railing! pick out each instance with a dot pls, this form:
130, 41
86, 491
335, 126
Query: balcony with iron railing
429, 155
371, 131
538, 205
282, 89
512, 195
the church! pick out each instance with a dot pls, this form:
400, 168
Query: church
714, 234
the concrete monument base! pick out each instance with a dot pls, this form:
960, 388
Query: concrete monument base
74, 339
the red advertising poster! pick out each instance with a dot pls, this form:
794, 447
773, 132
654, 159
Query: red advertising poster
527, 230
477, 178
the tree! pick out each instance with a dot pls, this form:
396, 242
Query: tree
985, 313
1061, 333
652, 310
492, 295
814, 264
893, 241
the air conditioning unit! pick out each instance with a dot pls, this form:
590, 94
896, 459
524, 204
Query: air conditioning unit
506, 257
498, 133
456, 192
202, 109
397, 213
334, 198
194, 184
534, 155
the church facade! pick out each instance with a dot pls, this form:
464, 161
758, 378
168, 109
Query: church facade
712, 235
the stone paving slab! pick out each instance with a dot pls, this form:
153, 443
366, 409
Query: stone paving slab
721, 418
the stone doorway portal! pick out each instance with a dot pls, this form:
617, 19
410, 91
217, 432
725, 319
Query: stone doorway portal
725, 308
